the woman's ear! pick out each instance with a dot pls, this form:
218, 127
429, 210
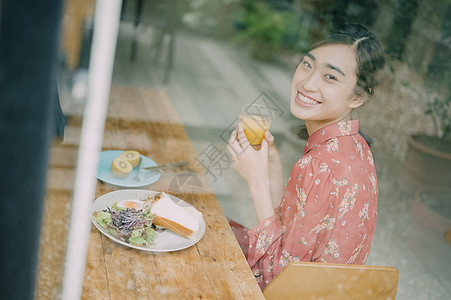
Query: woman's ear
356, 101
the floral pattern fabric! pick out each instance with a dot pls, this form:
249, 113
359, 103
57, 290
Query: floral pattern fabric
328, 211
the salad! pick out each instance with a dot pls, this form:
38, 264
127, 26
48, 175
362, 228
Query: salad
133, 226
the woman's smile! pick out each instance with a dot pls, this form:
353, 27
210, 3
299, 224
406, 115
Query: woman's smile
303, 100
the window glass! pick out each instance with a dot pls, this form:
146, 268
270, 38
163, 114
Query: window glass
207, 59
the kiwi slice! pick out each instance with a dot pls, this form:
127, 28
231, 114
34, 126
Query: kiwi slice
131, 156
120, 168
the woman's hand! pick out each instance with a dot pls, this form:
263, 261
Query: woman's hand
275, 171
253, 166
250, 163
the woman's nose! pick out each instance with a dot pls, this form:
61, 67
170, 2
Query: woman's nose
310, 83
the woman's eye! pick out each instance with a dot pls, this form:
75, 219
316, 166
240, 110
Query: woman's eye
306, 64
330, 77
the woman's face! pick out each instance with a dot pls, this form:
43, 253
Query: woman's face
322, 90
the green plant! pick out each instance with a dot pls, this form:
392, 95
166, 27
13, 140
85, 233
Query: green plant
211, 17
440, 111
264, 27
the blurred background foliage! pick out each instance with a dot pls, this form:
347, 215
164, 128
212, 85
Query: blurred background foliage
409, 29
414, 32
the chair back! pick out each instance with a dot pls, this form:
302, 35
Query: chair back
307, 280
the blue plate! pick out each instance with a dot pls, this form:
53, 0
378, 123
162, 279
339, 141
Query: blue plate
146, 177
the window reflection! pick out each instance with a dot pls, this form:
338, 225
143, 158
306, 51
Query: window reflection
212, 57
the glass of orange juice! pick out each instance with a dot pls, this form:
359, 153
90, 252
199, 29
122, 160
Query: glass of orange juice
256, 120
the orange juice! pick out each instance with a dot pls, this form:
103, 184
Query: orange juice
254, 128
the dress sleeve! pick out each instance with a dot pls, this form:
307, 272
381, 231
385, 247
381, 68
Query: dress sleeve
301, 225
264, 242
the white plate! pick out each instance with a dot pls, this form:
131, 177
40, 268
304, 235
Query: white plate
146, 177
167, 240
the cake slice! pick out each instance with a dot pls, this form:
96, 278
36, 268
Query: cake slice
183, 221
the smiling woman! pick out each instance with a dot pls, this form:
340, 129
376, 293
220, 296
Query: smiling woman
323, 86
327, 211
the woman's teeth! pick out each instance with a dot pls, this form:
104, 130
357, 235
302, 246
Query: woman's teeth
307, 100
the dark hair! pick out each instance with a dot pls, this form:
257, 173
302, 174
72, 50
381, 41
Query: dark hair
369, 53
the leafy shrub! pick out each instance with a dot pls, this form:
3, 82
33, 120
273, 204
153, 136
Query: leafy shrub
270, 30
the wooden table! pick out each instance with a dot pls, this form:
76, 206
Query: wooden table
215, 268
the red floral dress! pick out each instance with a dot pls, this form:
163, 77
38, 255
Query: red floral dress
328, 211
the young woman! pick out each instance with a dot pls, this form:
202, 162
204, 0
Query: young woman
327, 212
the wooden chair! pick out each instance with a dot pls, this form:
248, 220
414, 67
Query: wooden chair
306, 280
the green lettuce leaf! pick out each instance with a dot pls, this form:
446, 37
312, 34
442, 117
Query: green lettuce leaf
138, 241
151, 235
102, 218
